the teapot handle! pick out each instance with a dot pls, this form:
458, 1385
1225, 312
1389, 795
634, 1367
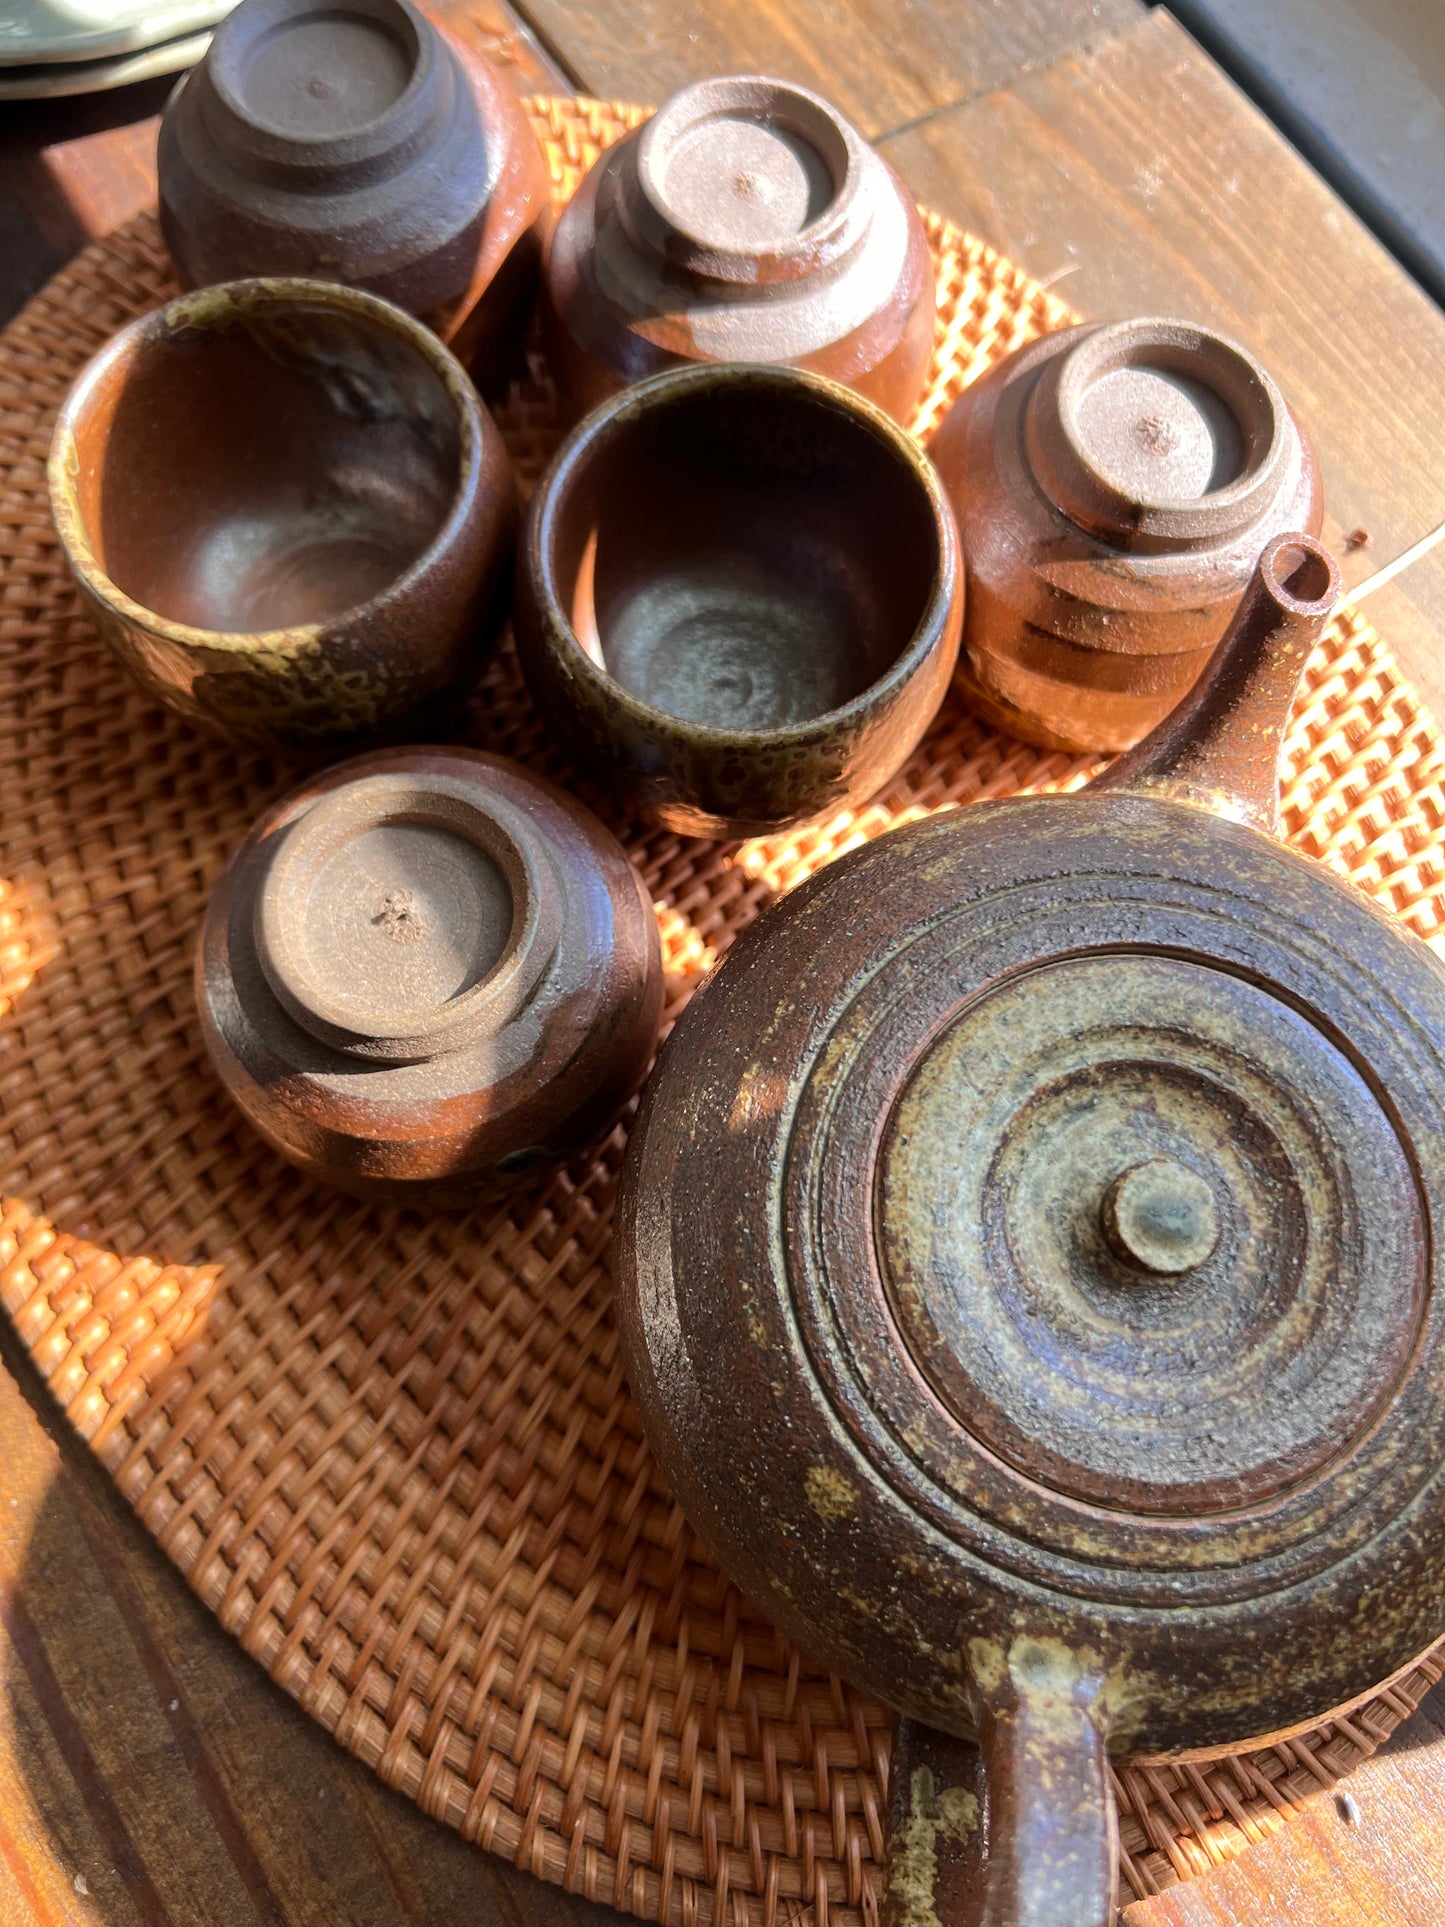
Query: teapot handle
1021, 1831
1219, 748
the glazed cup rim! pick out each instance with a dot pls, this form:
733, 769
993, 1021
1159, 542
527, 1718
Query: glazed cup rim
258, 292
613, 416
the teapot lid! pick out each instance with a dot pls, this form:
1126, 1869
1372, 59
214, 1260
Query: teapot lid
1102, 1191
1147, 1231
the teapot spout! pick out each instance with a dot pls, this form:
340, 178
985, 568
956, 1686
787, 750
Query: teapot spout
1219, 749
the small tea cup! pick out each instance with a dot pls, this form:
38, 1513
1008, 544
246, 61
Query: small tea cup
746, 221
357, 141
287, 512
427, 974
739, 597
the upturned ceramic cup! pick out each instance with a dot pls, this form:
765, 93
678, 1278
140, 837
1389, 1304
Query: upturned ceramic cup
353, 140
739, 597
427, 973
1114, 486
746, 221
288, 513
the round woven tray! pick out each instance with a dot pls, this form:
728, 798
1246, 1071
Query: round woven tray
396, 1455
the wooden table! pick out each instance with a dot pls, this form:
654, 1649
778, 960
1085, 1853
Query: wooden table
149, 1773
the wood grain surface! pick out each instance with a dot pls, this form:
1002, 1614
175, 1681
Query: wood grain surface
886, 63
1100, 148
1370, 1854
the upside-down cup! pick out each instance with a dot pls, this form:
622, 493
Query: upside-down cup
356, 141
1114, 486
287, 513
746, 221
739, 598
427, 973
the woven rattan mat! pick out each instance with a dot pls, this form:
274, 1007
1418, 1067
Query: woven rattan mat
395, 1455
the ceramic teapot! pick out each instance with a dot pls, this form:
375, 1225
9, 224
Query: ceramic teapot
1026, 1266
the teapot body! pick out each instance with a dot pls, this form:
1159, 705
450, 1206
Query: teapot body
914, 1393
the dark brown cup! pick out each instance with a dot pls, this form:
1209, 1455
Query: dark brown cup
746, 221
427, 973
739, 597
353, 140
288, 513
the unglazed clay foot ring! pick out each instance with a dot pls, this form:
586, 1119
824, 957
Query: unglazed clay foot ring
398, 919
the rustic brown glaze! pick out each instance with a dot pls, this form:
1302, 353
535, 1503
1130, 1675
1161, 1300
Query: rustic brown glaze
1054, 1343
739, 597
287, 513
937, 1801
1114, 486
427, 972
357, 143
746, 221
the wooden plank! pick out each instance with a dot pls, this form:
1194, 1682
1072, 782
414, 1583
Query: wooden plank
884, 62
150, 1773
1359, 87
1138, 180
1372, 1854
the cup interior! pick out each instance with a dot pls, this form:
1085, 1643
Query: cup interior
745, 553
263, 464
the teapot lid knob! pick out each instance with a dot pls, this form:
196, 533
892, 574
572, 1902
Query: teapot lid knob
1160, 1216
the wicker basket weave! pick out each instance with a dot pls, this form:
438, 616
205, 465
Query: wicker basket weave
397, 1457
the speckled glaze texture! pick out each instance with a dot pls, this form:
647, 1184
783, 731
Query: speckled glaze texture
875, 1564
1092, 608
1020, 1483
632, 285
382, 666
436, 203
570, 1028
704, 779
